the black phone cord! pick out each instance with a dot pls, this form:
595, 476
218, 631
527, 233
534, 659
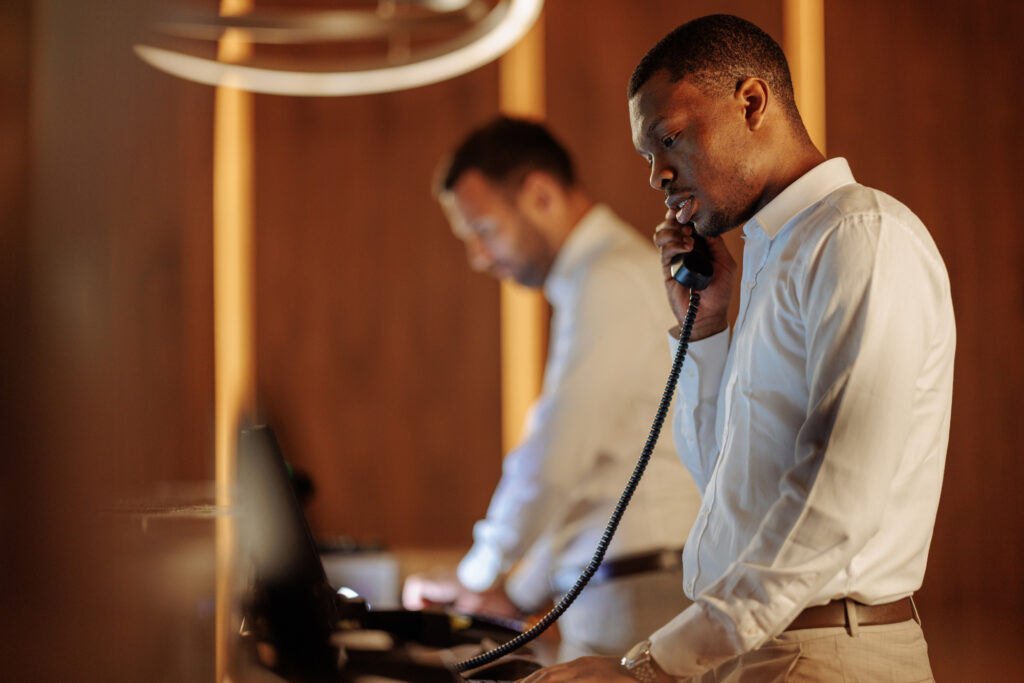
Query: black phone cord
613, 522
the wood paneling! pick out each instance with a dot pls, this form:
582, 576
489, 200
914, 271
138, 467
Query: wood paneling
120, 249
377, 347
115, 385
15, 312
18, 532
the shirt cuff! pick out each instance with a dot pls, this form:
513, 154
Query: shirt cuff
691, 644
480, 568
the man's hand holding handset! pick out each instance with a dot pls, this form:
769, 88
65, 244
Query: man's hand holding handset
672, 239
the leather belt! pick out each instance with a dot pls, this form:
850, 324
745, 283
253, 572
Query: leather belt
624, 565
834, 614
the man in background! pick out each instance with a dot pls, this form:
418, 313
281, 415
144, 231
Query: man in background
511, 195
818, 432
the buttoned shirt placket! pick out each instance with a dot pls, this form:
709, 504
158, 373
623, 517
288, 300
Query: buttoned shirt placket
757, 246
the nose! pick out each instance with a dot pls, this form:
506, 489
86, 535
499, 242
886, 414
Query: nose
478, 255
661, 175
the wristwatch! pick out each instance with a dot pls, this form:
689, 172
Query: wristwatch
640, 665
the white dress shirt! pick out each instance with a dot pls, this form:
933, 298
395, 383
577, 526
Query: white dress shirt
818, 436
605, 374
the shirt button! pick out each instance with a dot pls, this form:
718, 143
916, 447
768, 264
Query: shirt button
749, 285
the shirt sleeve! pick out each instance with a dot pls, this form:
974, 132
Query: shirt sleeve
528, 584
693, 418
869, 299
589, 362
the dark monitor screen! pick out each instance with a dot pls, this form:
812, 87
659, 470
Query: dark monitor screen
290, 602
292, 607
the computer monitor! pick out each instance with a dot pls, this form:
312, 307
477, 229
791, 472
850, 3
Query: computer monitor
292, 609
290, 605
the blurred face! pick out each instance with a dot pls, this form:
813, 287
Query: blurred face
695, 145
499, 238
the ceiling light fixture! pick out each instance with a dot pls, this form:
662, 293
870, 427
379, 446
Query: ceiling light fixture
489, 38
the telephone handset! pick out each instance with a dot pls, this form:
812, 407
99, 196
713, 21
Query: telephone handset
693, 269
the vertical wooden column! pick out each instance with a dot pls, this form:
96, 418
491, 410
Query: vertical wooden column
804, 42
524, 311
234, 361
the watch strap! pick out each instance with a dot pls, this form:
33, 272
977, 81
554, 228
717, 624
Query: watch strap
640, 665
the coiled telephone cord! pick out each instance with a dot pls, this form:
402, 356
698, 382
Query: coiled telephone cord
613, 522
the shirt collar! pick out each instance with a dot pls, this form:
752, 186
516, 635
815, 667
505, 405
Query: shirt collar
587, 234
806, 190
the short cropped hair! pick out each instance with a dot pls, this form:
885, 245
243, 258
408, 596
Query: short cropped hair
505, 150
716, 53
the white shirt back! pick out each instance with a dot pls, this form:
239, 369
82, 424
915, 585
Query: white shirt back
605, 375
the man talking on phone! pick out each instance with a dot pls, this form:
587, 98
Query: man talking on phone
511, 194
817, 433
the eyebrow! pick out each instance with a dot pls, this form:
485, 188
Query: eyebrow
649, 132
654, 124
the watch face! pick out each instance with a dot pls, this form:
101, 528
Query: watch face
636, 653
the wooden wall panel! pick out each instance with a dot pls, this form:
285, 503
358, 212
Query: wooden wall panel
111, 326
377, 348
17, 532
15, 313
120, 247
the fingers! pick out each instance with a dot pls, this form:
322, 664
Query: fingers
413, 596
672, 239
559, 672
584, 669
423, 590
493, 601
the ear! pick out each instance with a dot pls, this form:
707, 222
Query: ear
753, 95
539, 196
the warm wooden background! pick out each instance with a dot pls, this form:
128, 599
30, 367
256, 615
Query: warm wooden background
376, 347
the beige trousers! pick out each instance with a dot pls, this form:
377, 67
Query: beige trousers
894, 653
609, 618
